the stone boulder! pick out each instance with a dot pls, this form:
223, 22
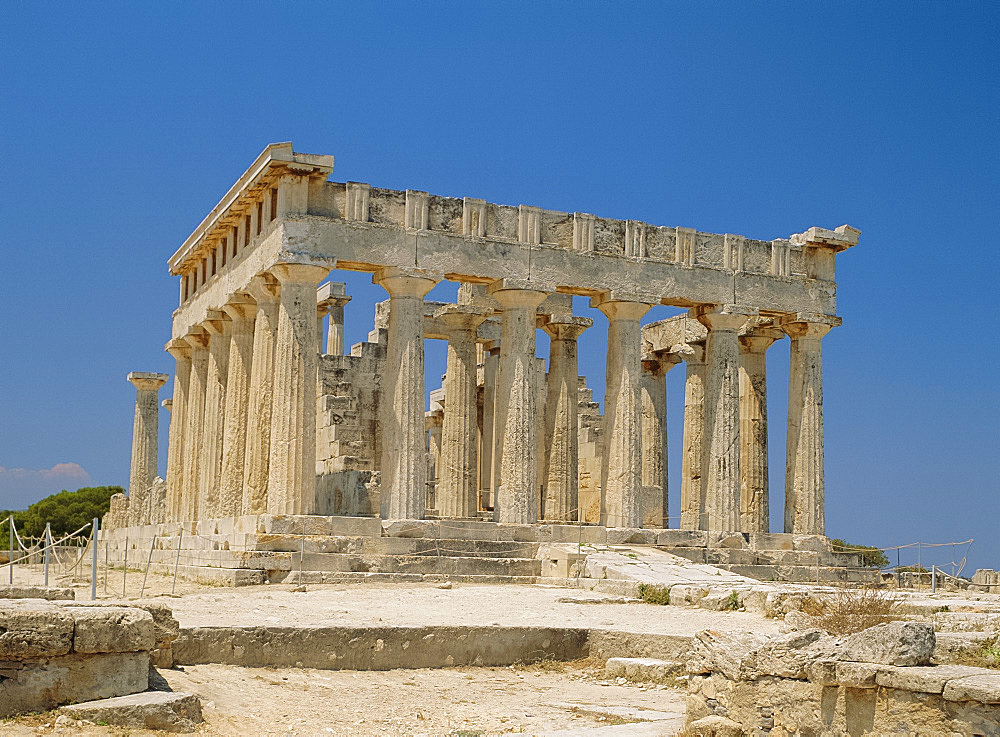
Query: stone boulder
891, 643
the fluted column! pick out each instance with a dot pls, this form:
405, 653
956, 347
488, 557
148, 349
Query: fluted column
654, 440
264, 289
291, 481
561, 478
218, 326
330, 300
145, 433
432, 425
194, 425
516, 497
402, 464
457, 477
722, 415
805, 486
241, 312
491, 364
622, 463
694, 515
754, 494
181, 352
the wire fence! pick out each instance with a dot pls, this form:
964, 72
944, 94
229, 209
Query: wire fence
66, 559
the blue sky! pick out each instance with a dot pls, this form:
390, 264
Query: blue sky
122, 126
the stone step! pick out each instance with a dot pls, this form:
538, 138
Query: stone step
644, 670
158, 710
316, 577
804, 574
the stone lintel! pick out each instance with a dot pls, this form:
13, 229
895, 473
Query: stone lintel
147, 380
839, 239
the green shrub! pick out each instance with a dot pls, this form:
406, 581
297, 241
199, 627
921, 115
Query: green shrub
654, 594
870, 557
66, 511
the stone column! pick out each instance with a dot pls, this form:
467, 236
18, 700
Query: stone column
561, 477
722, 415
218, 326
291, 480
457, 478
241, 312
264, 289
654, 439
694, 514
194, 424
754, 503
516, 495
622, 462
403, 471
330, 300
491, 364
181, 352
432, 424
145, 434
805, 489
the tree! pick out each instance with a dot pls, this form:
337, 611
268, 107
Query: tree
869, 557
66, 511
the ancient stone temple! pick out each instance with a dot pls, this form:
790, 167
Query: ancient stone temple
270, 416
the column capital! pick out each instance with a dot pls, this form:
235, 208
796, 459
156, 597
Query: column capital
760, 340
178, 348
145, 381
240, 307
460, 317
619, 309
406, 282
623, 296
299, 273
196, 338
168, 404
511, 293
660, 363
691, 353
808, 324
722, 317
264, 287
216, 322
566, 327
331, 294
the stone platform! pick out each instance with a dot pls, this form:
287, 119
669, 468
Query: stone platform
254, 549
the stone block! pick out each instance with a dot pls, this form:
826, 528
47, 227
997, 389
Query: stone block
158, 710
37, 592
34, 630
892, 643
925, 679
684, 594
682, 538
984, 688
631, 536
858, 675
643, 670
714, 726
112, 630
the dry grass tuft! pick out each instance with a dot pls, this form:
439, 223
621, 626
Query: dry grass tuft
854, 610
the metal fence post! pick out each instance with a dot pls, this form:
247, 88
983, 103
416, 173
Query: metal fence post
933, 579
177, 561
48, 547
125, 566
148, 561
93, 563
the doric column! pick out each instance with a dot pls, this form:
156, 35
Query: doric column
491, 364
805, 489
402, 465
457, 477
622, 463
291, 482
181, 352
264, 289
694, 514
754, 503
218, 326
194, 424
241, 312
330, 300
722, 414
145, 432
654, 439
432, 424
516, 496
561, 476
